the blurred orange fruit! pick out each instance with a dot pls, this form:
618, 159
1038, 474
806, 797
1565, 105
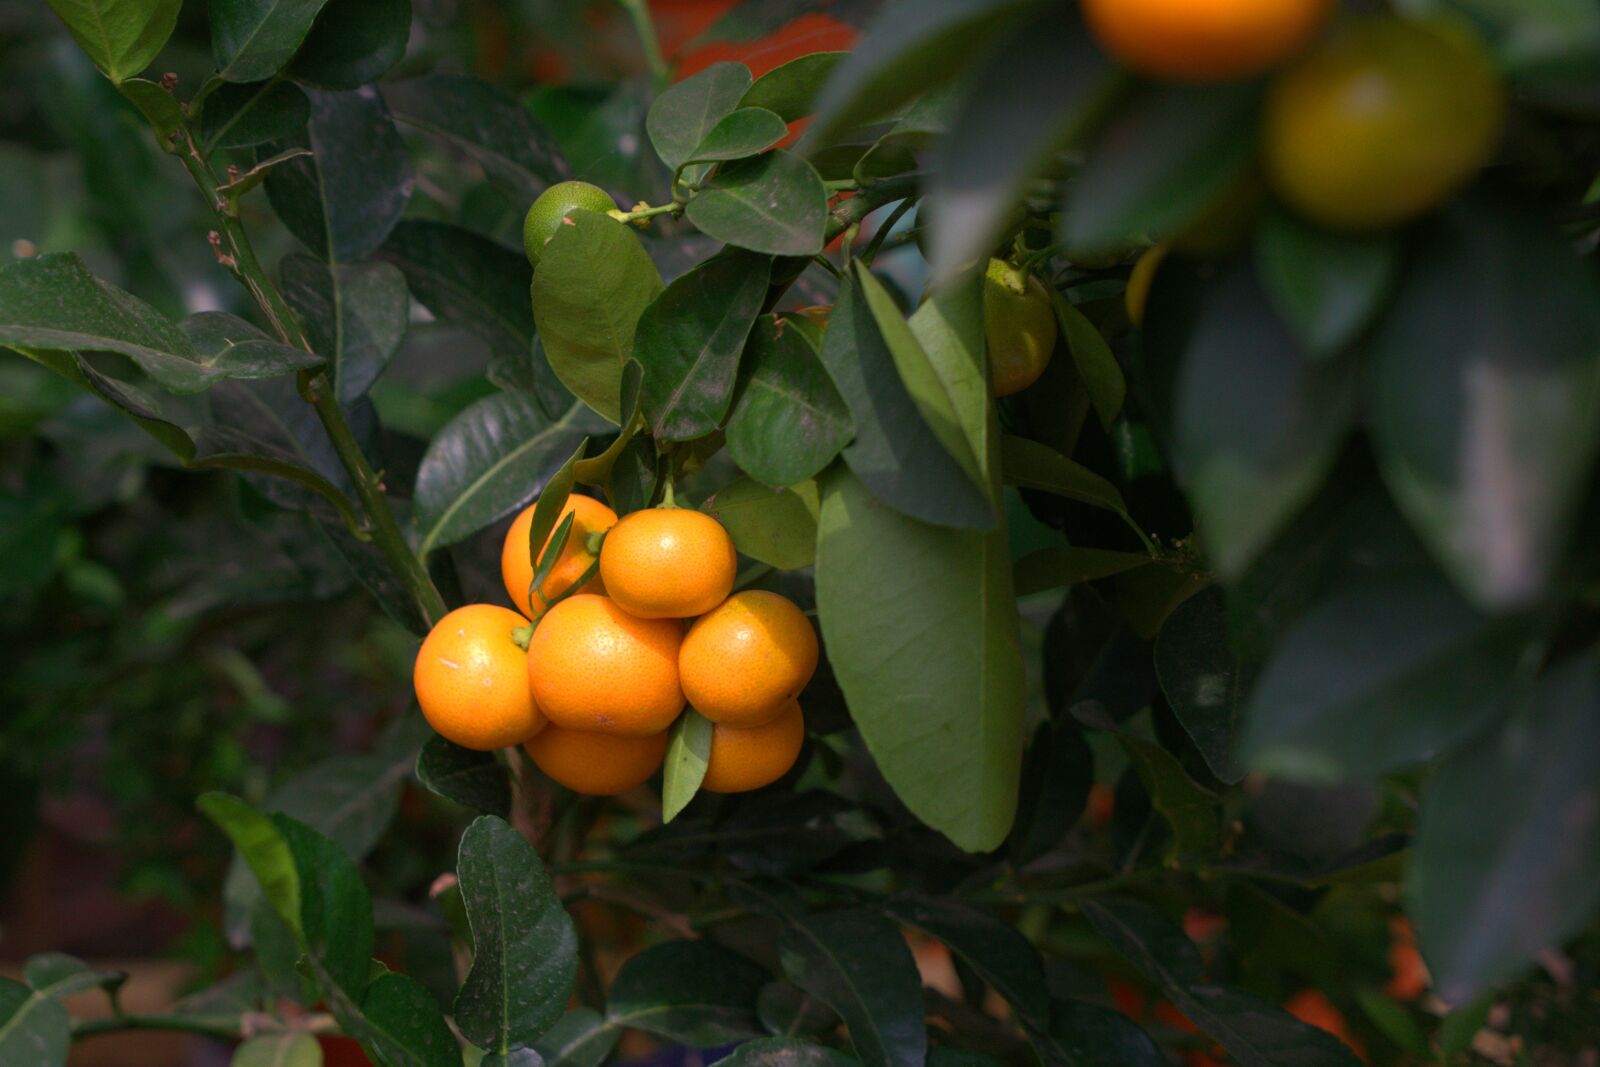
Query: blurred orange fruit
472, 682
1408, 974
517, 560
1203, 40
593, 666
596, 764
749, 758
744, 660
668, 563
1311, 1007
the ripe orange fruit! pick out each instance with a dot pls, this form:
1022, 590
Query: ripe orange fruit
668, 563
751, 757
599, 765
1203, 40
517, 562
555, 204
471, 679
1019, 325
593, 666
1311, 1007
747, 658
1382, 122
1408, 974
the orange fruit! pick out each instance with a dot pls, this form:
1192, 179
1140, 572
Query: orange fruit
471, 679
1203, 40
1408, 974
593, 666
517, 561
1019, 326
1381, 122
744, 660
552, 208
668, 563
1312, 1008
748, 758
599, 765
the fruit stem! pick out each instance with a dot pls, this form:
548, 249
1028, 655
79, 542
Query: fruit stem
521, 635
592, 543
645, 27
645, 211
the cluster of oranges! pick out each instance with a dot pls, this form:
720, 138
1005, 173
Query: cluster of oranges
612, 658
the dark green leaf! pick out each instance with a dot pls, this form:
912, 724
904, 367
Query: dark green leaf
231, 345
473, 779
254, 39
1379, 677
240, 116
158, 106
775, 526
1086, 1035
1056, 777
1326, 286
774, 203
487, 123
692, 992
1205, 679
355, 314
490, 460
401, 1025
790, 89
688, 342
682, 116
1190, 809
35, 1030
1258, 424
784, 1052
56, 974
1052, 568
687, 751
596, 470
581, 1039
1160, 163
857, 963
335, 908
343, 200
996, 952
353, 42
741, 133
525, 949
1097, 368
787, 1010
1031, 465
1507, 859
593, 283
548, 529
121, 37
222, 447
788, 420
1482, 413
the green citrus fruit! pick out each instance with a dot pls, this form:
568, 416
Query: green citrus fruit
555, 204
1019, 325
1381, 122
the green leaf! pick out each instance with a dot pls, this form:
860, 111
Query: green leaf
857, 963
788, 420
57, 974
789, 90
35, 1030
51, 301
775, 526
121, 36
1087, 1035
1060, 565
996, 952
1326, 286
581, 1039
254, 39
681, 117
593, 283
688, 342
1492, 466
909, 49
489, 461
353, 42
287, 1049
1258, 424
525, 956
596, 470
785, 1008
233, 346
485, 122
784, 1052
894, 453
158, 106
948, 326
355, 314
692, 992
688, 749
1205, 679
543, 548
1097, 368
241, 116
941, 713
1189, 808
1507, 857
1030, 465
470, 778
335, 907
1381, 676
399, 1024
344, 199
741, 133
263, 849
222, 447
1037, 92
773, 203
1159, 163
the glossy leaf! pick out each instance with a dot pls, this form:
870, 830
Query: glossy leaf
773, 203
1031, 465
121, 36
685, 767
1097, 367
1205, 680
695, 993
1325, 286
222, 447
57, 974
488, 461
470, 778
741, 133
1491, 468
288, 1049
596, 470
941, 714
252, 40
355, 314
158, 106
790, 89
335, 907
593, 283
784, 1052
399, 1023
996, 952
948, 358
344, 199
486, 123
582, 1038
681, 117
1511, 820
858, 964
239, 350
35, 1030
1061, 565
785, 1008
788, 419
525, 956
353, 42
689, 339
775, 526
1379, 677
241, 116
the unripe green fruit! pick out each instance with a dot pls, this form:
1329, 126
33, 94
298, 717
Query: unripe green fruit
554, 205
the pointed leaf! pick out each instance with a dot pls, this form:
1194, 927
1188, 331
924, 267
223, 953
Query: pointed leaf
681, 117
788, 420
790, 90
1189, 808
35, 1030
688, 749
121, 36
1097, 368
486, 123
857, 963
581, 1039
742, 133
692, 992
399, 1024
773, 203
1205, 679
996, 952
254, 39
1326, 286
355, 314
353, 42
241, 116
775, 526
233, 346
470, 778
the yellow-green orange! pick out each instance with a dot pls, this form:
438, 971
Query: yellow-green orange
743, 759
1019, 326
593, 666
668, 563
555, 204
596, 764
589, 516
747, 658
472, 681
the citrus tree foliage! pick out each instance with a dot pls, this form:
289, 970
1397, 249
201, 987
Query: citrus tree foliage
1270, 601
